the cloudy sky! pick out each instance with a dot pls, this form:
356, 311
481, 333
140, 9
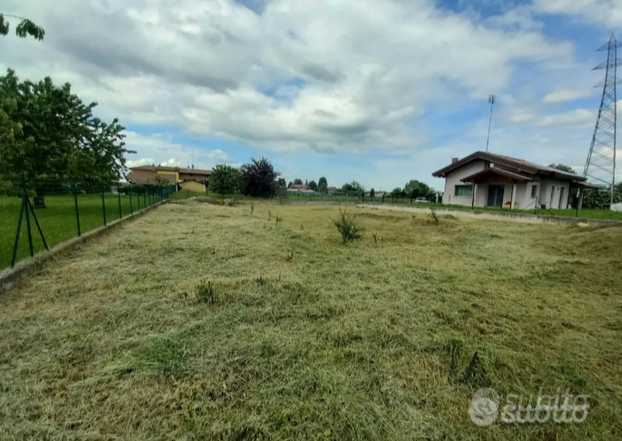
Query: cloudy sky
371, 90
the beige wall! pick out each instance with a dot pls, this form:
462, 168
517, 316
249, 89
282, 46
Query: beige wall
550, 187
453, 179
193, 186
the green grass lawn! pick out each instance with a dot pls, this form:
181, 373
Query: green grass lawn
58, 220
307, 338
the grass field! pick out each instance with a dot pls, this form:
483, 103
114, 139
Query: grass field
58, 221
308, 338
59, 224
353, 199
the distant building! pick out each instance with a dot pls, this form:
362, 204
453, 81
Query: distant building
491, 180
192, 179
301, 190
299, 187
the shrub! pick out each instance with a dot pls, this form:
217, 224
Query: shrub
205, 292
347, 227
433, 217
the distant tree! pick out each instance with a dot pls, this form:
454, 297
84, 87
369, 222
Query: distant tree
313, 185
397, 192
290, 184
353, 186
415, 189
322, 185
225, 179
372, 193
564, 168
306, 182
23, 29
280, 187
159, 180
258, 178
297, 181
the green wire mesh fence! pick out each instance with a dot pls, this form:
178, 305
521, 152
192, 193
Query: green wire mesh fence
32, 220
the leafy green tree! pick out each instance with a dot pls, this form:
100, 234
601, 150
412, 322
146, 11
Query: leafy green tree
225, 179
23, 29
258, 178
280, 187
415, 189
313, 185
353, 186
297, 181
564, 168
49, 135
397, 192
290, 184
322, 185
372, 193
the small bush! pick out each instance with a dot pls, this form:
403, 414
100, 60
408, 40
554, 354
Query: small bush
347, 228
205, 292
433, 217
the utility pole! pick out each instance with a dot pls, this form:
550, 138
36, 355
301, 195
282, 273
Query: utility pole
491, 100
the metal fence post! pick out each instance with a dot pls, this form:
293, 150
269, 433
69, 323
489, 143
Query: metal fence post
32, 252
131, 208
75, 200
119, 197
104, 207
19, 230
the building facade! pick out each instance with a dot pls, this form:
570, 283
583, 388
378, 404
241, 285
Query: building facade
491, 180
192, 179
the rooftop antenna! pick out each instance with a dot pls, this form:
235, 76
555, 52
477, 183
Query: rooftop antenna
600, 165
491, 100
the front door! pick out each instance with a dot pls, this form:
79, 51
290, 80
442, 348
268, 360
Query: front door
495, 195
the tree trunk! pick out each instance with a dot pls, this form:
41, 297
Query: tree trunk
40, 198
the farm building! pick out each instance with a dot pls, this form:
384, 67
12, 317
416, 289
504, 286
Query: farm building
490, 180
192, 179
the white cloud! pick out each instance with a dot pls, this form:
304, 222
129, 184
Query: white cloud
341, 76
156, 149
563, 95
572, 118
603, 12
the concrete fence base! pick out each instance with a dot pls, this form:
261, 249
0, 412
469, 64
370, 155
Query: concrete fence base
27, 266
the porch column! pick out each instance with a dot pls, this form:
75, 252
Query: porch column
474, 195
513, 196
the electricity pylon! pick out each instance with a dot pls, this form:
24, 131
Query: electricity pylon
600, 165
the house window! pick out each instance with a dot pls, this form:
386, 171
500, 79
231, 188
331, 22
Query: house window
464, 190
534, 191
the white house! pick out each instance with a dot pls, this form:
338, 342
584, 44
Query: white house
490, 180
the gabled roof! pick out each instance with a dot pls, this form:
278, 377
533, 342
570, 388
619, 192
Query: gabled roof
520, 165
488, 172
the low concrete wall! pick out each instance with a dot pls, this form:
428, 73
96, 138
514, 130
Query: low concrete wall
500, 215
27, 266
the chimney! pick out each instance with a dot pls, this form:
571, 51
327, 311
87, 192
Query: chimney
454, 160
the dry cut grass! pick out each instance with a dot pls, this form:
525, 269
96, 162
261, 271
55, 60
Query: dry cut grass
302, 337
